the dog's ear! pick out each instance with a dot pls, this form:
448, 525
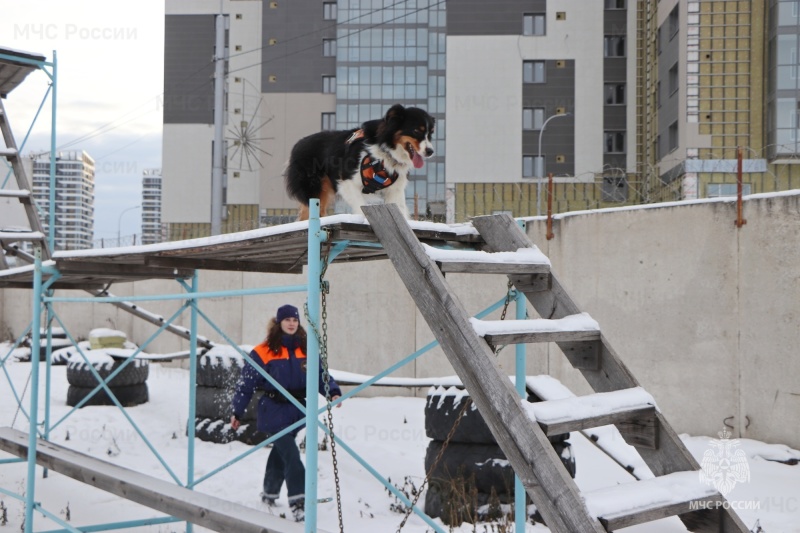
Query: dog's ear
395, 115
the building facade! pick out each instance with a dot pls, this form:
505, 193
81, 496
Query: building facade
74, 198
152, 229
622, 102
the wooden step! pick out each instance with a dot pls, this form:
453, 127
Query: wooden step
26, 236
523, 261
640, 502
15, 193
633, 411
574, 328
8, 153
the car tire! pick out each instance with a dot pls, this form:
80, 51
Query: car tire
127, 396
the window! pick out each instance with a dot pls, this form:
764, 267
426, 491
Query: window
532, 118
614, 142
615, 4
329, 47
531, 166
533, 72
673, 78
328, 84
672, 135
533, 24
329, 10
615, 93
614, 46
328, 122
658, 94
715, 190
674, 22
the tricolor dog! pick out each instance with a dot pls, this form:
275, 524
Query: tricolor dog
373, 159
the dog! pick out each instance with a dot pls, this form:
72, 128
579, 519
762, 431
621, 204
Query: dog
373, 159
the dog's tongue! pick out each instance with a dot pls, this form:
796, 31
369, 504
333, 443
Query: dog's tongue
417, 160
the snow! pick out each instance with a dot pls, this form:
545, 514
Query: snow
99, 333
227, 238
593, 405
630, 497
579, 322
524, 256
388, 432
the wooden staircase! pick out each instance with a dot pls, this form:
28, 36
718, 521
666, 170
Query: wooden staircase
23, 193
521, 428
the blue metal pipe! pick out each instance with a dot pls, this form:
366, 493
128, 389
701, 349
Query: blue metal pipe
34, 412
55, 518
520, 508
51, 231
162, 297
121, 525
312, 363
190, 427
47, 380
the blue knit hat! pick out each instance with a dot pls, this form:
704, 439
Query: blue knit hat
287, 311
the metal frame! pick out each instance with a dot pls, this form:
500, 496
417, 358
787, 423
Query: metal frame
43, 300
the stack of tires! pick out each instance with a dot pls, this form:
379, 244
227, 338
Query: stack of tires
217, 375
129, 386
473, 478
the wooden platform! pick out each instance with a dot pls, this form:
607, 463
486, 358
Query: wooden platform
276, 249
195, 507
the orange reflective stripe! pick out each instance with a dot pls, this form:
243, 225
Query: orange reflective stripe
266, 355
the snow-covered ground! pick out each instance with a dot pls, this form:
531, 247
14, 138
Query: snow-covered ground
388, 432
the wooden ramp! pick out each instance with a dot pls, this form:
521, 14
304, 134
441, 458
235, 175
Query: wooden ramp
195, 507
520, 428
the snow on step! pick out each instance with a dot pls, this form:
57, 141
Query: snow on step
590, 406
579, 322
639, 497
21, 235
523, 261
15, 193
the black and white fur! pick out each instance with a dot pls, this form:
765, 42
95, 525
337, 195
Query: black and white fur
329, 162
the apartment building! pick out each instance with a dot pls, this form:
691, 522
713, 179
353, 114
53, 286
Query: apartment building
152, 229
74, 197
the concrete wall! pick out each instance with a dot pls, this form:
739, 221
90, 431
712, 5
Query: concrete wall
704, 314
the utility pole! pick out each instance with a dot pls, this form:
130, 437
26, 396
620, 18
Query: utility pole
219, 117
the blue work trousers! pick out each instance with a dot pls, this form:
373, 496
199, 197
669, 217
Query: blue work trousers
284, 464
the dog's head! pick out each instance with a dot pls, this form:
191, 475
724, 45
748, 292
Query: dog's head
407, 132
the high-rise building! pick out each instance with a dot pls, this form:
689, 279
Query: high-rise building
623, 102
152, 228
74, 197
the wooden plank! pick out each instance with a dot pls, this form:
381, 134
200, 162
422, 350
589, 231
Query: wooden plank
556, 428
613, 523
541, 336
195, 507
120, 270
525, 445
501, 233
216, 264
492, 268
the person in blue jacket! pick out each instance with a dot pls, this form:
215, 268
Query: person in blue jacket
283, 356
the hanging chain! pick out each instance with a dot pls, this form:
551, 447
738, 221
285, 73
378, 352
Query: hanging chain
439, 456
509, 294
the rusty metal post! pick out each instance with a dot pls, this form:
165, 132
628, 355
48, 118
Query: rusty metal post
740, 221
550, 234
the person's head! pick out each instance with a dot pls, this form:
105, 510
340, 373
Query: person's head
285, 322
289, 319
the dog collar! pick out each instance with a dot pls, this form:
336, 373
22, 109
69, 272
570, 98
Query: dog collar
374, 176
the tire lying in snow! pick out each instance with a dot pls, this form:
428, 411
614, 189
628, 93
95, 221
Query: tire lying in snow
127, 396
218, 371
441, 413
220, 432
215, 404
482, 466
135, 373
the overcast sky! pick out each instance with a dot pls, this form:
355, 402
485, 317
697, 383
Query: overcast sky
110, 83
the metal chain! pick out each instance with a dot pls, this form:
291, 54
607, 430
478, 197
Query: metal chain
446, 442
509, 292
